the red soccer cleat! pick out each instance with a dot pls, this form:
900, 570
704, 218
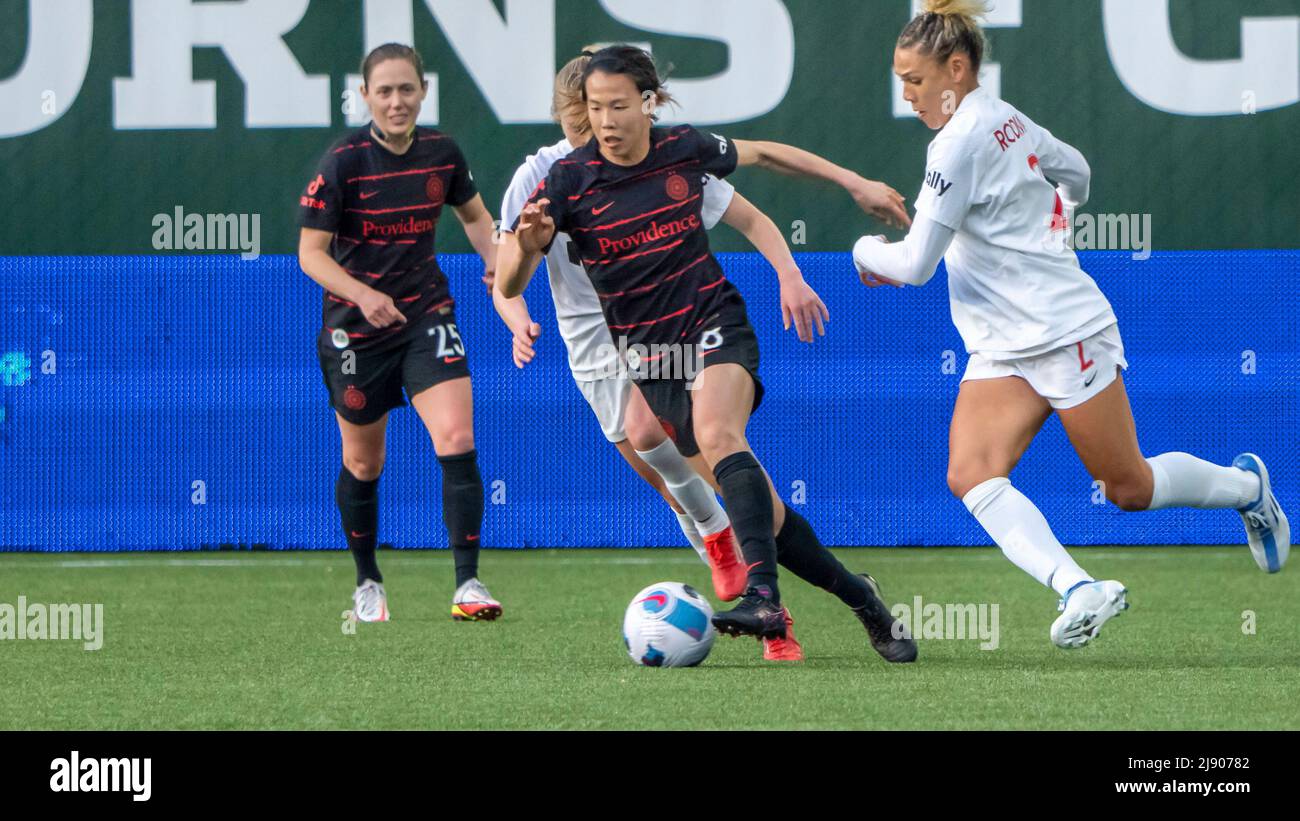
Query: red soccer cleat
786, 649
729, 575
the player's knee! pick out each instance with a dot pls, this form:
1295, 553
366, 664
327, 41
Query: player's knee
645, 434
718, 441
964, 476
453, 442
1128, 493
364, 468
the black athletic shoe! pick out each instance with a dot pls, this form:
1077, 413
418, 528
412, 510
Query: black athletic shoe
889, 636
754, 615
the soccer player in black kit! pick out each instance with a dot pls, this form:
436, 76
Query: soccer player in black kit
369, 219
630, 201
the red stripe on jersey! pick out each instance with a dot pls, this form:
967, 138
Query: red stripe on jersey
652, 321
427, 206
403, 173
541, 186
442, 304
595, 162
647, 288
348, 239
666, 140
355, 272
637, 217
653, 172
333, 298
714, 284
341, 149
425, 139
659, 250
697, 324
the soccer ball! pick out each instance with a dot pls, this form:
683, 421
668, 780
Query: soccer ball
668, 625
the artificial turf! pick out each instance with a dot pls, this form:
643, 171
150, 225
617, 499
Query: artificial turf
257, 640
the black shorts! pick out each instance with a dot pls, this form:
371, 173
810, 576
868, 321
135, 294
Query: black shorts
721, 341
368, 384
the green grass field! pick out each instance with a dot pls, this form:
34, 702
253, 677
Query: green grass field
255, 640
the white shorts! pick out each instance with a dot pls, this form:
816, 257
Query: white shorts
1066, 377
609, 398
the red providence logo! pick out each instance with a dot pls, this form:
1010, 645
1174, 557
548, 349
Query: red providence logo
395, 229
654, 232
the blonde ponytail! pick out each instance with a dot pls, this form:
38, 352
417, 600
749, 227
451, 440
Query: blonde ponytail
567, 102
946, 27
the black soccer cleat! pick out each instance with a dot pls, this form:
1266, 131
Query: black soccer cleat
753, 615
889, 636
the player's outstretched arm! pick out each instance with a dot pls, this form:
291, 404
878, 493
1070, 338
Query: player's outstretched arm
799, 302
315, 260
479, 228
912, 261
873, 197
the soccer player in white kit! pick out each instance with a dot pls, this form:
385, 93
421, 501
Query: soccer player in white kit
625, 418
1040, 334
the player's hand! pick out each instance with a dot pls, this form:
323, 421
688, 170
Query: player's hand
881, 202
800, 304
523, 344
535, 227
379, 309
489, 279
872, 279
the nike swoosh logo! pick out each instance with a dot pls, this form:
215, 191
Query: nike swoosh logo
451, 359
749, 568
1088, 382
357, 535
473, 538
368, 196
596, 212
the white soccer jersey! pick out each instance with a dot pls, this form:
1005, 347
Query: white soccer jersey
1016, 289
592, 354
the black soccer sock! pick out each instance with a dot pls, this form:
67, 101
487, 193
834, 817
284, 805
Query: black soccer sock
462, 511
802, 553
358, 503
749, 504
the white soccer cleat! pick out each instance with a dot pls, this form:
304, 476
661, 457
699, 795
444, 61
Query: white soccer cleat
369, 603
1086, 609
1267, 530
473, 602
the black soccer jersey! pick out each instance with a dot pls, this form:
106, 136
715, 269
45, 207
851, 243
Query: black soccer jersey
383, 210
638, 233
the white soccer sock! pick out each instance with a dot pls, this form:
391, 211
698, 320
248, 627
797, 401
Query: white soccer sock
692, 534
1020, 530
691, 492
1182, 480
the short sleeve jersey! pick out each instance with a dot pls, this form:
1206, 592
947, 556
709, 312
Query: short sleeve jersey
383, 210
639, 233
577, 307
